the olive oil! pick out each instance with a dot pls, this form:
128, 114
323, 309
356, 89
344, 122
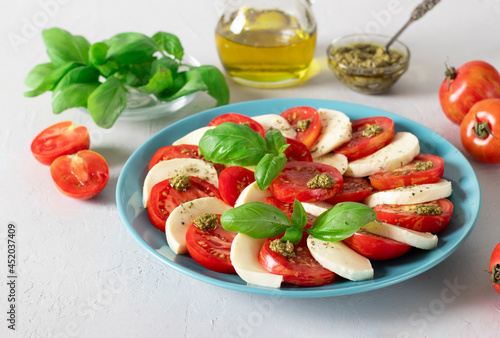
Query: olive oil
265, 48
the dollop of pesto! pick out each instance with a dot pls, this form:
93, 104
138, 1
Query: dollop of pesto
207, 222
286, 249
324, 181
420, 166
366, 55
372, 130
428, 209
303, 124
180, 182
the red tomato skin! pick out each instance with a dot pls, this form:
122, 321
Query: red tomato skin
211, 249
403, 216
297, 151
301, 270
361, 146
387, 180
475, 81
239, 119
287, 208
82, 175
232, 181
356, 189
494, 268
63, 138
311, 134
376, 247
487, 149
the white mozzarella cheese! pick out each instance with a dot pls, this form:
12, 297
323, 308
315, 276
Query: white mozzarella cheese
336, 130
252, 193
421, 240
316, 208
276, 122
193, 138
338, 161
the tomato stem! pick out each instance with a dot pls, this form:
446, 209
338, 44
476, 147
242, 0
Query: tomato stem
482, 130
450, 73
495, 274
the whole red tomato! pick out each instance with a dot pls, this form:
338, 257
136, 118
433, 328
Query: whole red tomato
463, 87
494, 268
480, 131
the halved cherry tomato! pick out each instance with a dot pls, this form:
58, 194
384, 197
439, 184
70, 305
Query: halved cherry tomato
406, 217
307, 117
239, 119
409, 174
291, 183
82, 175
63, 138
297, 151
302, 269
232, 181
287, 208
494, 268
355, 189
361, 146
164, 198
211, 248
376, 247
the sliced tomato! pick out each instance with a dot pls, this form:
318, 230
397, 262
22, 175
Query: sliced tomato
63, 138
409, 174
360, 146
287, 208
302, 269
82, 175
406, 217
239, 119
355, 189
297, 151
211, 248
297, 116
376, 247
164, 198
291, 183
232, 181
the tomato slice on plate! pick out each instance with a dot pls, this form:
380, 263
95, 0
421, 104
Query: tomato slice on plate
302, 269
287, 208
63, 138
211, 248
291, 183
164, 198
82, 175
407, 217
232, 181
239, 119
361, 144
376, 247
415, 172
306, 121
355, 189
297, 151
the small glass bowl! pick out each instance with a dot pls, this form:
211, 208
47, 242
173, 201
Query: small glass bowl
368, 80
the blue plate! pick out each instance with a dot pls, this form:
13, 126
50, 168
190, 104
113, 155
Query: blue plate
466, 198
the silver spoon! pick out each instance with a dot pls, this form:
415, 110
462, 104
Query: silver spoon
417, 13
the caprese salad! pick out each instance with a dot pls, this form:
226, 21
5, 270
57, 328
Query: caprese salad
304, 197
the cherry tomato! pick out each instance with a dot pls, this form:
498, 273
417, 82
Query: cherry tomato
410, 173
63, 138
291, 183
406, 217
232, 181
211, 248
239, 119
287, 208
480, 131
361, 146
355, 189
302, 269
297, 151
494, 268
82, 175
306, 121
463, 87
164, 198
376, 247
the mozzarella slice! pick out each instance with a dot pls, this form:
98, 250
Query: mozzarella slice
339, 258
336, 130
244, 257
193, 138
181, 218
403, 148
316, 208
169, 168
421, 240
252, 193
411, 194
338, 161
276, 122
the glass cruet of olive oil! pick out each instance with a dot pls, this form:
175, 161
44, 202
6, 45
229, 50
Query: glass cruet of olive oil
266, 43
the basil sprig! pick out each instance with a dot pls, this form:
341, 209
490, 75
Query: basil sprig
236, 144
260, 220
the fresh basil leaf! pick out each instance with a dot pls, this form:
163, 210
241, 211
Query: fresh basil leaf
97, 53
192, 83
36, 76
215, 83
63, 47
165, 62
72, 96
299, 215
268, 168
131, 48
292, 234
341, 221
52, 79
276, 142
232, 144
255, 219
77, 75
159, 82
169, 43
107, 102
